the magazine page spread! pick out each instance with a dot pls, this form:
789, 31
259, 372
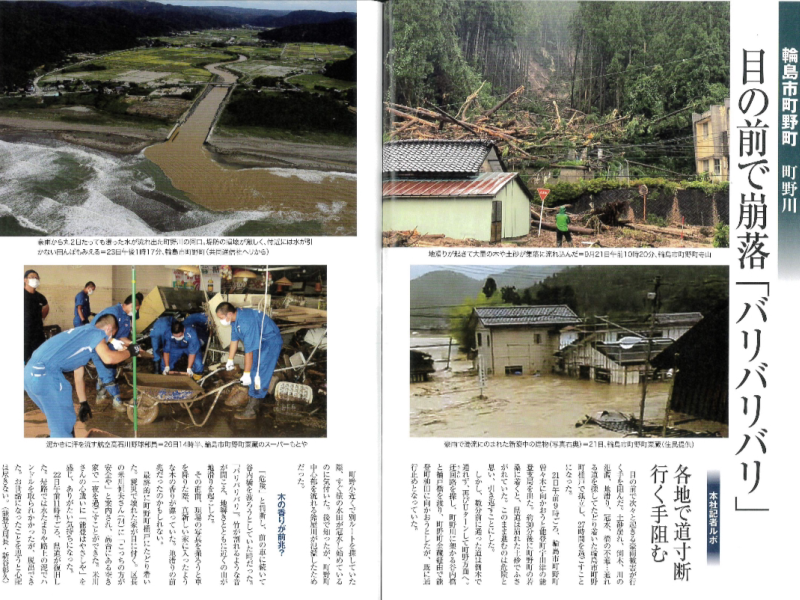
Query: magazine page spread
186, 191
560, 344
587, 224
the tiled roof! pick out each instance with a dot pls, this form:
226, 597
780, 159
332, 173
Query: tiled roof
435, 156
495, 316
484, 185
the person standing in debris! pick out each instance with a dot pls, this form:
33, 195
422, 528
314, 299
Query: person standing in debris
183, 341
562, 226
35, 312
262, 347
82, 308
68, 352
106, 376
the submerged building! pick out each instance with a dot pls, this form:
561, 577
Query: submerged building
612, 353
520, 340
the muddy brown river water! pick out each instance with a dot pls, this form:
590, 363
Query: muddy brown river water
294, 194
527, 406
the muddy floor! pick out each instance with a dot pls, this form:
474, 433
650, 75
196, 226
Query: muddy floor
449, 405
173, 421
619, 237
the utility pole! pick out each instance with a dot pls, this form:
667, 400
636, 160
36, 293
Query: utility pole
655, 296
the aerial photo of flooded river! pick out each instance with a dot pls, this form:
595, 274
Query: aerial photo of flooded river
137, 142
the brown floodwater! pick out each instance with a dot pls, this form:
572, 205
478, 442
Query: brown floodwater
528, 406
288, 194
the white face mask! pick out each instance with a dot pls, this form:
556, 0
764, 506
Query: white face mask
129, 312
177, 339
34, 283
225, 322
90, 292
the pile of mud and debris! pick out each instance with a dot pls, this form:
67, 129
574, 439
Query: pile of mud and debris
592, 232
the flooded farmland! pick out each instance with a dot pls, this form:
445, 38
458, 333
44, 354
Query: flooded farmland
533, 407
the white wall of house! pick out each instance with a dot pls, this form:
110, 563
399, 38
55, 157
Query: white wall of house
530, 349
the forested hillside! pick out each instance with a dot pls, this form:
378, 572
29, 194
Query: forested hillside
596, 81
340, 33
622, 292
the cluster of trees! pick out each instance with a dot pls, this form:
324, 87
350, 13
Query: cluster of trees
647, 58
437, 47
618, 293
622, 291
650, 58
342, 69
301, 17
295, 111
341, 33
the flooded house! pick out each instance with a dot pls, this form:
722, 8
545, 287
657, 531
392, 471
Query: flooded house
458, 188
613, 353
520, 340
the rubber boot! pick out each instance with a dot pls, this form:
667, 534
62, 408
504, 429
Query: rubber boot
250, 411
119, 405
101, 390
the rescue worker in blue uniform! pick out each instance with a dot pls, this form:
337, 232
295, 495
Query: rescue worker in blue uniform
183, 341
262, 347
200, 323
70, 351
160, 332
105, 374
82, 307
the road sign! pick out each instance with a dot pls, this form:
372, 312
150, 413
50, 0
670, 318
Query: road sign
542, 193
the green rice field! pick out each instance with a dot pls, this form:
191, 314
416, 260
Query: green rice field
145, 65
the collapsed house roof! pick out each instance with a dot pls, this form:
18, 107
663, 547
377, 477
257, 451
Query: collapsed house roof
687, 318
633, 354
504, 316
464, 157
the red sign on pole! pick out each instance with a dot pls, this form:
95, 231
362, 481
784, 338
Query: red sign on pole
542, 193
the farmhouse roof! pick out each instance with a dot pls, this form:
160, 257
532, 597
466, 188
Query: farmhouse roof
485, 185
499, 316
436, 156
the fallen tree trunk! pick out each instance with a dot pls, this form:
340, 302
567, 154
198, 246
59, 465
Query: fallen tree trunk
494, 109
572, 228
412, 118
664, 230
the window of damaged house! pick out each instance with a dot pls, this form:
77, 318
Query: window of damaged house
705, 129
480, 342
717, 167
537, 338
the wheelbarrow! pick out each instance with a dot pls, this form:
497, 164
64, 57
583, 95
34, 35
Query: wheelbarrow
155, 390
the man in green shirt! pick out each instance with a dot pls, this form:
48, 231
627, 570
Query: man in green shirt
562, 227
